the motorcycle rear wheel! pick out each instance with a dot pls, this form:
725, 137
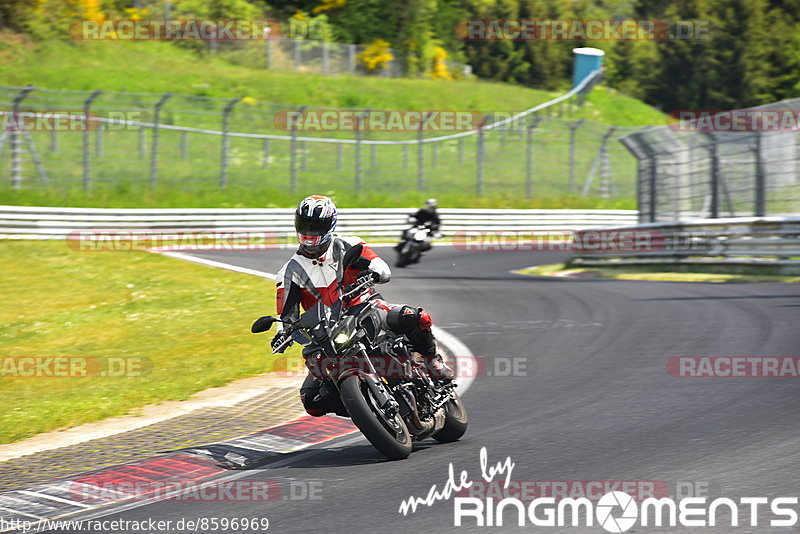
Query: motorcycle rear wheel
390, 437
455, 421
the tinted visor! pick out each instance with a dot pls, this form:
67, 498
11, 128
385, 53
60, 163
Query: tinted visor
312, 227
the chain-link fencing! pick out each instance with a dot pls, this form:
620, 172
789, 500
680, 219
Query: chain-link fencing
728, 164
138, 141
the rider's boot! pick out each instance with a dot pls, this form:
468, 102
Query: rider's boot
438, 370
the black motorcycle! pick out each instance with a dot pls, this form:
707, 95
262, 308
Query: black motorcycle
416, 240
370, 374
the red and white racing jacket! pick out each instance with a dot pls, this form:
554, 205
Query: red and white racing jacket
304, 281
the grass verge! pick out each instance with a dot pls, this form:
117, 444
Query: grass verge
259, 174
180, 327
158, 67
661, 273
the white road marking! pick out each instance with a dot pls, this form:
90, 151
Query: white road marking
453, 345
451, 342
17, 512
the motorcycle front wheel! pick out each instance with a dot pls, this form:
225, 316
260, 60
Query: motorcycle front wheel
404, 255
387, 434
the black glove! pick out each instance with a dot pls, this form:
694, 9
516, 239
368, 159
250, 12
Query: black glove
279, 338
371, 276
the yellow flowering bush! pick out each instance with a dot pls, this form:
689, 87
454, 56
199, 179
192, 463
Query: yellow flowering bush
376, 55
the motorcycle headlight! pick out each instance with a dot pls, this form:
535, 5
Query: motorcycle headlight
341, 338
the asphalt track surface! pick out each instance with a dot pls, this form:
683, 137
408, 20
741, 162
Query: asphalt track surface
595, 403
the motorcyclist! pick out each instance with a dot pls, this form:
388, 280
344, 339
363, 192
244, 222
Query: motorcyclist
429, 213
314, 273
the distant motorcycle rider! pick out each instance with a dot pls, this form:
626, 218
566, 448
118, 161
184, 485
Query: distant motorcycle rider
314, 274
429, 214
426, 215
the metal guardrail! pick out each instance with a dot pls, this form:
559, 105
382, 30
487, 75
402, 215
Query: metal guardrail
761, 241
22, 222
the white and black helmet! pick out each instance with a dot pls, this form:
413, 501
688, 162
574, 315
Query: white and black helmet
315, 221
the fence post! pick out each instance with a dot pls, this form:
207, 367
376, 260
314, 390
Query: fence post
421, 153
603, 163
98, 143
154, 147
265, 153
434, 155
268, 57
653, 171
298, 59
54, 140
351, 57
529, 156
16, 142
325, 57
293, 153
461, 150
760, 196
87, 171
714, 182
572, 131
226, 114
405, 157
358, 149
480, 157
339, 156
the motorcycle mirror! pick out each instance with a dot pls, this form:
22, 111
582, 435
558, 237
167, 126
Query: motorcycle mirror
263, 324
352, 256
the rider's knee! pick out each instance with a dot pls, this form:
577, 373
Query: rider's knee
416, 324
310, 397
405, 320
311, 407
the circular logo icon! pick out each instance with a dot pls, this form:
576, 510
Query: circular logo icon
606, 505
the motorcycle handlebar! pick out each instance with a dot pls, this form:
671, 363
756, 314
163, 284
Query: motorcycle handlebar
349, 295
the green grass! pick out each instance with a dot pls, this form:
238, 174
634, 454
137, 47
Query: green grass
156, 67
666, 273
188, 325
120, 171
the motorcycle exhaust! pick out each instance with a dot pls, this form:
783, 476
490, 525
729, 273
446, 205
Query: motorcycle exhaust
422, 429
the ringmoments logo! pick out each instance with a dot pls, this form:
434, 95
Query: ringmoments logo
615, 511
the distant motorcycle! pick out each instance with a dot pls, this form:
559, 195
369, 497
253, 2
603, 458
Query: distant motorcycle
416, 240
370, 374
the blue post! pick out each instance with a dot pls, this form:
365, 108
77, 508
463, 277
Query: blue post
587, 60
